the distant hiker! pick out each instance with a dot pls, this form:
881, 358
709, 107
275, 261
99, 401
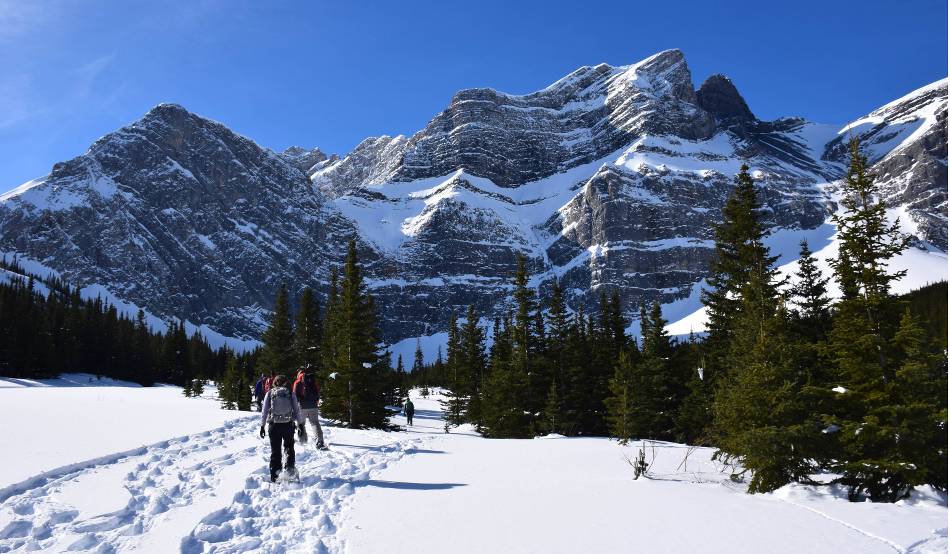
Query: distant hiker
268, 383
259, 391
279, 413
410, 409
307, 391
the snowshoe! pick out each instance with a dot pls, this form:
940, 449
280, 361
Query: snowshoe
289, 475
322, 446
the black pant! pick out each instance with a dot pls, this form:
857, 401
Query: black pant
281, 433
409, 418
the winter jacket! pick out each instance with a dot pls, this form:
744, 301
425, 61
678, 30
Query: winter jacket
307, 390
265, 409
259, 388
410, 408
267, 384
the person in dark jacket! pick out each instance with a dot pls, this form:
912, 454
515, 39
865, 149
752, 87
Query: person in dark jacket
279, 415
259, 392
409, 409
307, 391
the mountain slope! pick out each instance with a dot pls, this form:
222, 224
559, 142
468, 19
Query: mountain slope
906, 141
611, 178
178, 215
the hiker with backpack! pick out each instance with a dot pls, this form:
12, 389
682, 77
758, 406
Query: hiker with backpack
409, 409
307, 390
279, 414
259, 392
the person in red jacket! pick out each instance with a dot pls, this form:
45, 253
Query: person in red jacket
307, 390
269, 382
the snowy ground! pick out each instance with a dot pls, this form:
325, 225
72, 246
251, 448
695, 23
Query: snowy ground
176, 474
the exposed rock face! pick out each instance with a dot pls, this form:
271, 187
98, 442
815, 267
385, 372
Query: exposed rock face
515, 139
181, 216
719, 97
906, 141
307, 161
612, 178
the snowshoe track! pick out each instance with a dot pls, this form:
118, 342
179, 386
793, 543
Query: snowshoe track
176, 473
294, 517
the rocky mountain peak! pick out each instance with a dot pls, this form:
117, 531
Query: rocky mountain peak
719, 96
664, 74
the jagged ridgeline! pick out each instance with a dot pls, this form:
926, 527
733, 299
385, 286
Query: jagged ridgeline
610, 179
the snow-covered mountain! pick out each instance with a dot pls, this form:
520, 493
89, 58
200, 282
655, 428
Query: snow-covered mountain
906, 140
609, 179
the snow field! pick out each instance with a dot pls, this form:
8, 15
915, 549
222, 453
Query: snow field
417, 490
555, 494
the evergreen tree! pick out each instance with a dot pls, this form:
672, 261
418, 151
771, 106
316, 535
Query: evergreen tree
557, 359
654, 396
277, 354
227, 385
334, 391
694, 415
419, 369
359, 374
760, 419
175, 356
401, 393
810, 296
738, 245
438, 368
472, 346
575, 394
505, 397
620, 403
872, 415
308, 332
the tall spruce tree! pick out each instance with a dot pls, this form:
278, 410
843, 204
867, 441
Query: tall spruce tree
308, 332
505, 397
694, 414
655, 394
277, 353
334, 391
360, 362
419, 369
738, 243
759, 415
472, 343
620, 403
558, 355
872, 415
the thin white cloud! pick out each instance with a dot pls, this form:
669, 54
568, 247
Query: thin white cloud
15, 98
19, 18
23, 102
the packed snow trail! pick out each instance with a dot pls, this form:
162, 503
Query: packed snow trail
222, 471
203, 492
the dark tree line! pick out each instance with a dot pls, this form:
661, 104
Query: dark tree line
47, 328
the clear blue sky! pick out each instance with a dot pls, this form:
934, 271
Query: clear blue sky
314, 73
